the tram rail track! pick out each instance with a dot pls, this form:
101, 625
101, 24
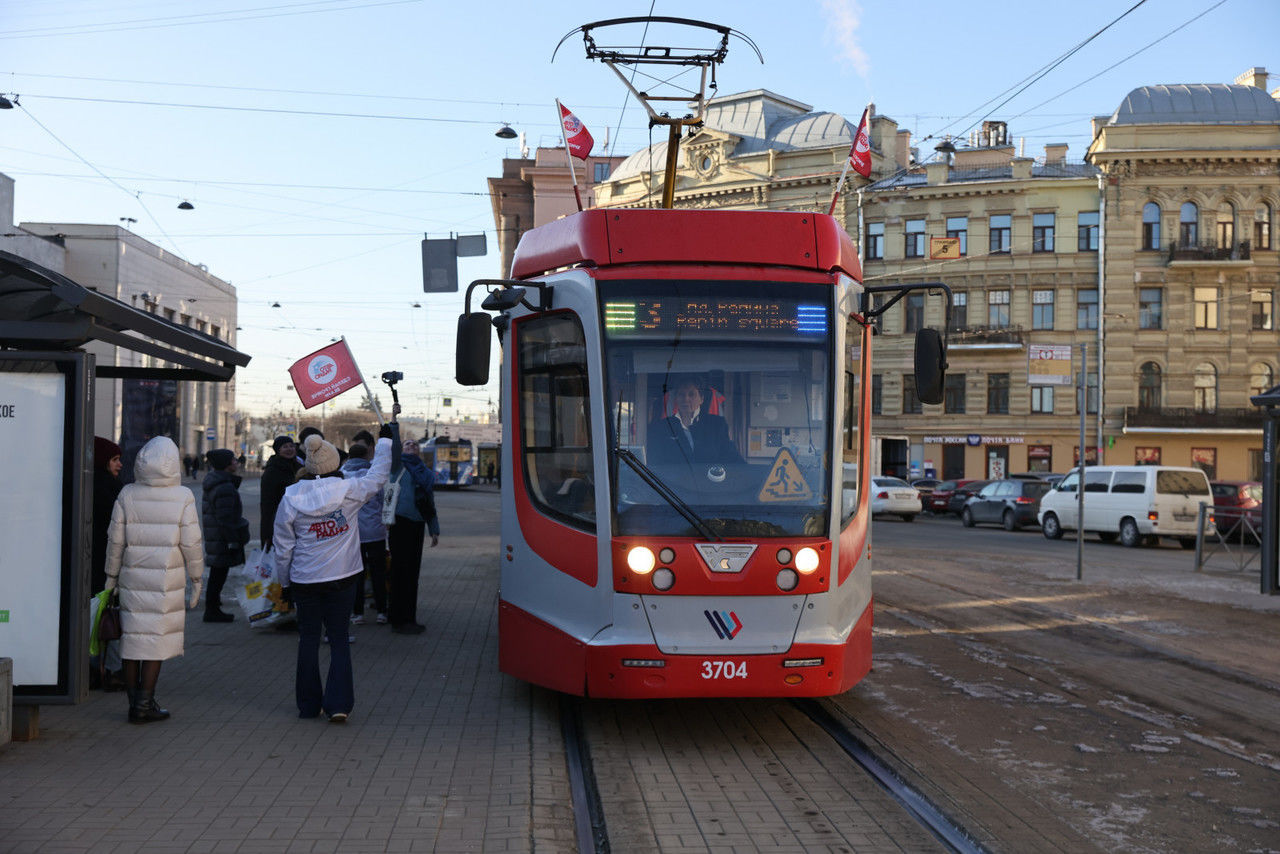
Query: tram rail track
590, 824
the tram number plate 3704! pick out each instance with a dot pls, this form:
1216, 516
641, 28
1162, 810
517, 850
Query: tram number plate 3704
724, 670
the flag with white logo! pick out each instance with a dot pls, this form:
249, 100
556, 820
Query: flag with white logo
325, 374
576, 136
860, 151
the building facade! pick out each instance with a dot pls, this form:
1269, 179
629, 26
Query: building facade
120, 264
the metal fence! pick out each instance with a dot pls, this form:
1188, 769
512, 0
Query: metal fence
1228, 538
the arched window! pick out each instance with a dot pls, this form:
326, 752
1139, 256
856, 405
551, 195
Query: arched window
1226, 225
1149, 386
1262, 227
1261, 378
1206, 388
1189, 226
1150, 226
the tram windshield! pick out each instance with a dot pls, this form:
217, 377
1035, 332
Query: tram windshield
722, 390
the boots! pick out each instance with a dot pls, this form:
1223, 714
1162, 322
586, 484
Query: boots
143, 708
217, 615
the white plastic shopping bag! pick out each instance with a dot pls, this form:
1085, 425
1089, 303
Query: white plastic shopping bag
258, 593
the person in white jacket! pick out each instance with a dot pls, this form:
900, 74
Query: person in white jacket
317, 548
153, 546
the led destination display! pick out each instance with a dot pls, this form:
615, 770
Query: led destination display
719, 315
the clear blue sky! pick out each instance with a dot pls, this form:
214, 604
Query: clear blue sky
324, 213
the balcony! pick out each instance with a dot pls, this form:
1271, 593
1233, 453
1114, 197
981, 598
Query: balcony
986, 337
1208, 252
1186, 418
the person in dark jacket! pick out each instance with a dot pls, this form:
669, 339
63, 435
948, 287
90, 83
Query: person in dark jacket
415, 515
280, 473
690, 435
106, 488
226, 531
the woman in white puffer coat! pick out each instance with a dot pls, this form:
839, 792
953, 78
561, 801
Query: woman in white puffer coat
153, 546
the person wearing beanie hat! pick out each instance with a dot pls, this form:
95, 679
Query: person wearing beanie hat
317, 554
104, 669
320, 458
226, 531
280, 472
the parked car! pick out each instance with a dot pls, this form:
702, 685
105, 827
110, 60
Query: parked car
937, 501
895, 496
962, 493
1012, 502
925, 485
1235, 501
1137, 503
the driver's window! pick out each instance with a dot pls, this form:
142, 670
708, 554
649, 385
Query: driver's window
1070, 483
555, 431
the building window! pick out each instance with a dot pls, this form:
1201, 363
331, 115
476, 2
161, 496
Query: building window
1087, 308
875, 241
1260, 378
1149, 386
601, 172
911, 404
997, 394
959, 310
1146, 456
958, 227
953, 394
1260, 302
1042, 399
1189, 225
998, 309
915, 312
1042, 309
1150, 226
877, 317
1087, 231
1042, 232
914, 237
1091, 389
1151, 308
1262, 227
1206, 307
877, 390
1226, 225
1206, 459
1205, 379
1001, 230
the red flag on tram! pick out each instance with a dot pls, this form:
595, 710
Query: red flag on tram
576, 135
860, 152
324, 374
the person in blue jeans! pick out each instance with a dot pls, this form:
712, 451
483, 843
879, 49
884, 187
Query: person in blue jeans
317, 548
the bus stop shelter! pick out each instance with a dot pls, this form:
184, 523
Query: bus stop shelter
46, 410
1269, 402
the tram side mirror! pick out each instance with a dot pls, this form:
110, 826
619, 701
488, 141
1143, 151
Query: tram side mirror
931, 366
472, 362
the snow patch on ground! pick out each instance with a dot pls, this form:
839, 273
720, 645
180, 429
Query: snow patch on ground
1236, 749
1148, 748
1113, 821
1084, 748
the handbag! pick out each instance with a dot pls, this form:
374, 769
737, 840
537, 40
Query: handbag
109, 626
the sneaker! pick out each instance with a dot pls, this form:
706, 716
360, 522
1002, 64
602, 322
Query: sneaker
338, 718
409, 629
382, 619
218, 617
350, 638
357, 620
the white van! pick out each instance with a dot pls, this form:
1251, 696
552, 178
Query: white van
1134, 503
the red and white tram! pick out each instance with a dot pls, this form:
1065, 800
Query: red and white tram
686, 399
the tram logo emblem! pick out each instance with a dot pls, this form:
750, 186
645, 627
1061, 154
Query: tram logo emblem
726, 623
726, 557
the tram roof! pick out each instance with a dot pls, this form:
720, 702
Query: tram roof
610, 238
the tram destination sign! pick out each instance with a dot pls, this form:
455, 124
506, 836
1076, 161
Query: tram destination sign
666, 315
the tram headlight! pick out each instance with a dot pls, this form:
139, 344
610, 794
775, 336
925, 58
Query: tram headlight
787, 579
664, 579
807, 560
641, 560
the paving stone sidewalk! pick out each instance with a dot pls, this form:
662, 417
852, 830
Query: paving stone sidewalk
442, 752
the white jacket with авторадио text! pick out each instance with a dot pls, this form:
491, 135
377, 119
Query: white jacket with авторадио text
317, 536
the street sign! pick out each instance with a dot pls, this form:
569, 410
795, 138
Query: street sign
210, 434
1049, 364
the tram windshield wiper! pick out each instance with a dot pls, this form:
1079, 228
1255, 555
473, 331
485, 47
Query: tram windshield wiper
667, 494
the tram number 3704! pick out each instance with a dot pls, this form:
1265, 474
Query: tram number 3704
724, 670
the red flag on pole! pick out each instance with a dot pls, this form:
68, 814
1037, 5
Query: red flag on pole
326, 373
860, 152
576, 135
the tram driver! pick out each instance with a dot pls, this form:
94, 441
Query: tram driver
691, 435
